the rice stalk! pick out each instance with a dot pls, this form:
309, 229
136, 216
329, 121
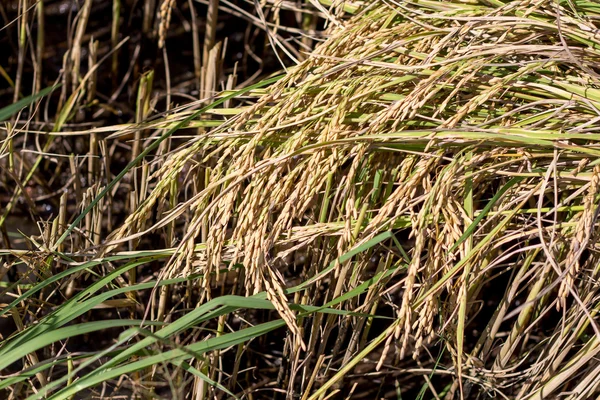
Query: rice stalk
488, 93
411, 209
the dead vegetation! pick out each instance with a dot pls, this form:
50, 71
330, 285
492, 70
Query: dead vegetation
408, 209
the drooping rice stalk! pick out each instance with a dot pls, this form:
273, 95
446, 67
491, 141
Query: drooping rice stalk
466, 129
417, 200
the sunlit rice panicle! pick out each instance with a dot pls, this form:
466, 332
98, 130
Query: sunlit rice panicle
416, 200
449, 103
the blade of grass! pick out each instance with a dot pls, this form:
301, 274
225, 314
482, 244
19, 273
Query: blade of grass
14, 108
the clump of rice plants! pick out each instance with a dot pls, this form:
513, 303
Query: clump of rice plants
410, 212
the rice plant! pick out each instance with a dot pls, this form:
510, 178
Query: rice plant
409, 210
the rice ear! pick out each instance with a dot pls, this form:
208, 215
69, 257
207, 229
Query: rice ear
464, 127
